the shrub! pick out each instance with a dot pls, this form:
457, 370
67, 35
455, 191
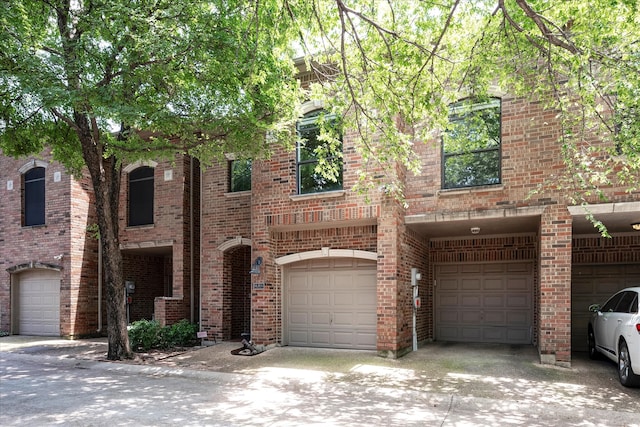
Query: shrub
144, 335
147, 334
181, 334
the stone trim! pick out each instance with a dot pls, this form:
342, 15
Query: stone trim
327, 253
33, 265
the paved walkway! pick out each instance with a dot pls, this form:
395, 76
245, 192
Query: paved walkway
504, 375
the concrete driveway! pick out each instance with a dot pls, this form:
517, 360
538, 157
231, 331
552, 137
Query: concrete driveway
485, 371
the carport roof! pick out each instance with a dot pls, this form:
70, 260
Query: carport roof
617, 217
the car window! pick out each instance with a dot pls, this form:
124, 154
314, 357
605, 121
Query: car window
610, 306
624, 306
634, 303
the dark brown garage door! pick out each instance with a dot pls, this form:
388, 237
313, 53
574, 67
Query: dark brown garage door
484, 303
594, 284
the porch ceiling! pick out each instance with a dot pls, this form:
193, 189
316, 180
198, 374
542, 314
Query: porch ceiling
448, 225
617, 217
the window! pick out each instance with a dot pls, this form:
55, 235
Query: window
471, 145
610, 306
33, 197
141, 196
319, 153
628, 303
239, 175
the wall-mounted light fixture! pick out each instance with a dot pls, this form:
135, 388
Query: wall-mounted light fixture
475, 230
636, 225
255, 267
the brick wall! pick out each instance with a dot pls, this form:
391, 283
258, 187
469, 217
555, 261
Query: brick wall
171, 233
224, 217
67, 215
148, 274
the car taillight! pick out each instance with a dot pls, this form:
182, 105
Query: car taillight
638, 327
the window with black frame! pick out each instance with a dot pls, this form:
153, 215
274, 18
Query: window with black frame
239, 175
471, 145
33, 203
141, 188
319, 153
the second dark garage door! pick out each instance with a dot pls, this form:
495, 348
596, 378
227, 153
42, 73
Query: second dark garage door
484, 303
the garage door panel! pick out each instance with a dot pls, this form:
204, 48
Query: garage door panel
500, 310
495, 317
449, 301
320, 299
470, 316
493, 285
38, 303
297, 282
471, 285
367, 300
494, 334
320, 318
341, 304
515, 318
320, 338
343, 299
446, 317
471, 300
448, 284
298, 299
343, 319
496, 300
471, 334
518, 284
299, 337
518, 301
518, 334
299, 318
320, 282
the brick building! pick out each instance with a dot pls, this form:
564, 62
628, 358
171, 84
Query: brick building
271, 249
49, 261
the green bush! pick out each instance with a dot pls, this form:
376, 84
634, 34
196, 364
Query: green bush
144, 335
181, 334
147, 334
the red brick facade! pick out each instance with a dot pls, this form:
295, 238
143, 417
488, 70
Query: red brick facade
195, 213
61, 245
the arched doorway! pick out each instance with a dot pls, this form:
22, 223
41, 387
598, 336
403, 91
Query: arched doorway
237, 311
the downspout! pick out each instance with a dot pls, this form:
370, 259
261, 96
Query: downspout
199, 260
192, 245
99, 285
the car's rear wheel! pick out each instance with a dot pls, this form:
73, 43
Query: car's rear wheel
593, 353
625, 371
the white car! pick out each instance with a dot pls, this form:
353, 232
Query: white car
614, 330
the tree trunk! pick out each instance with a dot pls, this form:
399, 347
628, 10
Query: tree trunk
105, 176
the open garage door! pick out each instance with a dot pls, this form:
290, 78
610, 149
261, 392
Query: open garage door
484, 303
36, 303
594, 284
331, 303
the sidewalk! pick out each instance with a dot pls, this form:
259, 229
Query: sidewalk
466, 370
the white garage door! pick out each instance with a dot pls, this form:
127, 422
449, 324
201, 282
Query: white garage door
594, 284
331, 303
484, 303
37, 303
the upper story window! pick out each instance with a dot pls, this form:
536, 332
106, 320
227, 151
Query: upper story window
33, 201
319, 153
239, 175
471, 146
141, 196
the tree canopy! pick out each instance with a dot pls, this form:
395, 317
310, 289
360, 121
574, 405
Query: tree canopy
106, 81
